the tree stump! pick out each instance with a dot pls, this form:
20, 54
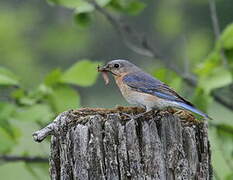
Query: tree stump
109, 144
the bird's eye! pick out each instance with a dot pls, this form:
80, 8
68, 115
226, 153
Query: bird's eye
116, 65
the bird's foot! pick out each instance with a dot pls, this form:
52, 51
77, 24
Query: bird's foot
138, 116
130, 116
142, 114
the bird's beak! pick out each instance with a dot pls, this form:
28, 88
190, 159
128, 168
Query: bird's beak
103, 68
106, 68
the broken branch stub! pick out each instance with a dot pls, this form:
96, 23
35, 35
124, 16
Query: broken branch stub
108, 144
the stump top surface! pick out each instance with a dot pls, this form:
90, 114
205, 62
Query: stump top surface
185, 116
124, 114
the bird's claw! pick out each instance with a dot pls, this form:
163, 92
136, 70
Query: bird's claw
128, 115
135, 117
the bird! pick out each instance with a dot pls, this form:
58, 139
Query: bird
141, 89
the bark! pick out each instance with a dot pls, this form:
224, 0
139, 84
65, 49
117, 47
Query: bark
109, 144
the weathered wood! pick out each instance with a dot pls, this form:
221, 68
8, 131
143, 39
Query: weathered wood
107, 144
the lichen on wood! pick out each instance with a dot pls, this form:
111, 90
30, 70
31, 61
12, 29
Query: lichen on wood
112, 144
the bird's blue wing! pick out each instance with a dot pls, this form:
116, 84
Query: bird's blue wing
145, 83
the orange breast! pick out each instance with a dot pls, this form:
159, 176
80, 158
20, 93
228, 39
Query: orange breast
119, 80
124, 88
135, 97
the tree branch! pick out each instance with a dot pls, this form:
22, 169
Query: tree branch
215, 23
144, 48
121, 29
214, 18
221, 101
32, 159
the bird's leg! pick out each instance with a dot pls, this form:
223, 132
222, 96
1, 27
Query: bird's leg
128, 115
142, 114
148, 111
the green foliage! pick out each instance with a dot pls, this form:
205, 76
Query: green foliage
169, 20
63, 98
8, 134
169, 78
40, 105
224, 130
7, 77
34, 113
42, 40
6, 141
53, 78
81, 6
211, 62
16, 51
82, 19
82, 73
82, 9
61, 40
134, 7
212, 73
201, 99
216, 78
227, 37
6, 110
131, 7
197, 46
226, 44
229, 177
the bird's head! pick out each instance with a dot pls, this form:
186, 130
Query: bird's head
119, 67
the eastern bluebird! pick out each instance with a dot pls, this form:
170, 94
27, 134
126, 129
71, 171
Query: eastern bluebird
141, 89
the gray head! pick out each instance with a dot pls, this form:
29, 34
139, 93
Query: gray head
119, 67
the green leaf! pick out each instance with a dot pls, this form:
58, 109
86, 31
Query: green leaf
22, 98
82, 19
219, 77
64, 98
211, 62
35, 95
201, 99
224, 129
7, 77
226, 39
6, 110
135, 7
6, 141
53, 78
131, 7
34, 113
169, 77
80, 6
229, 176
69, 3
18, 93
82, 73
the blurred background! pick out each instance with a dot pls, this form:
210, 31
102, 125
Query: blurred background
49, 51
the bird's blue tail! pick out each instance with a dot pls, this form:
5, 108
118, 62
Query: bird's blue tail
193, 109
